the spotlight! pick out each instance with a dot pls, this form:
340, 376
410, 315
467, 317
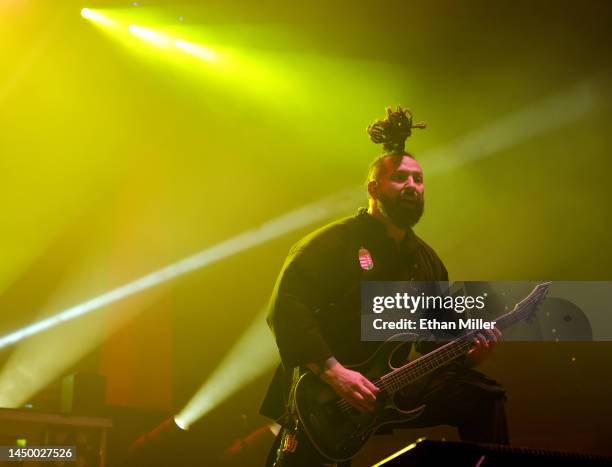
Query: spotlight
96, 17
180, 424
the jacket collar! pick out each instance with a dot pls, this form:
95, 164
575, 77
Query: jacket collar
376, 231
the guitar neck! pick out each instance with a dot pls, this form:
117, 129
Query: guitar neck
445, 354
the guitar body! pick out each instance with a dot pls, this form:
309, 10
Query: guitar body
339, 433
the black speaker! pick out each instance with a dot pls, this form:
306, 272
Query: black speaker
84, 394
425, 453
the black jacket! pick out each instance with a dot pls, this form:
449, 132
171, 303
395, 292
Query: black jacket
315, 307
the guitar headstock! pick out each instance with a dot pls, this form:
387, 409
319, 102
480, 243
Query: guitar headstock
527, 306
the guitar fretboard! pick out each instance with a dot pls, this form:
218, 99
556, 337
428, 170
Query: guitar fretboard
403, 376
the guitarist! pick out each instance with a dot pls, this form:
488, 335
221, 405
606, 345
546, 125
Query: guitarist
314, 310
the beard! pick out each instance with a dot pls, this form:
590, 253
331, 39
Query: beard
403, 214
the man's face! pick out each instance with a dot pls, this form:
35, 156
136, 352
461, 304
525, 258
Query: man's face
400, 191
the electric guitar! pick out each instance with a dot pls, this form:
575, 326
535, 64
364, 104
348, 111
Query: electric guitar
339, 431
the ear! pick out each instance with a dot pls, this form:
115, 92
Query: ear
373, 189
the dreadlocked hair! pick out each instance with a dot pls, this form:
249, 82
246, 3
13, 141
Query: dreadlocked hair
393, 131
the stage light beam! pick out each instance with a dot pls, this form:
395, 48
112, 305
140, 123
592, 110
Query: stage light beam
269, 230
154, 38
198, 51
231, 64
97, 17
252, 356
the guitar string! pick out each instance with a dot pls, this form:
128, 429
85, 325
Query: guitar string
415, 373
431, 365
397, 378
440, 354
394, 384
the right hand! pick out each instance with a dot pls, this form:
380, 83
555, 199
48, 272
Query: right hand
352, 386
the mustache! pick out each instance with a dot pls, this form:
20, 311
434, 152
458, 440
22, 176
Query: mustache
410, 195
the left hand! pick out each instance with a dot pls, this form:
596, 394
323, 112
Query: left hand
484, 342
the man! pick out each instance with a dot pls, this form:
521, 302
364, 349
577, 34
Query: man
315, 316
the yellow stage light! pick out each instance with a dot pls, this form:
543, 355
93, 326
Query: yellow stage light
97, 17
197, 51
152, 37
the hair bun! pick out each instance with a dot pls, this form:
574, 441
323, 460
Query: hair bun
393, 131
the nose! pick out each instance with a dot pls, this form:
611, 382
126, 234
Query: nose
410, 184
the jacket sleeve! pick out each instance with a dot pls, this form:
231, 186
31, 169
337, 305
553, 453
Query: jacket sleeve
299, 291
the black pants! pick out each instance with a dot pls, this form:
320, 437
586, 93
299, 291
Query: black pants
466, 399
